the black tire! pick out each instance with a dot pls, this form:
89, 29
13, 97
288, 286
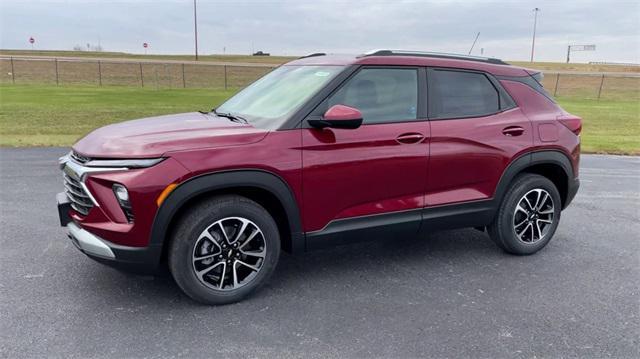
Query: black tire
503, 229
189, 232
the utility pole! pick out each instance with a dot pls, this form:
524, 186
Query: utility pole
195, 26
535, 22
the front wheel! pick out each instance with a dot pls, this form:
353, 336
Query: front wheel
528, 215
223, 249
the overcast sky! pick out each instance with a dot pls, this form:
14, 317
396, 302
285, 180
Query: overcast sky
347, 26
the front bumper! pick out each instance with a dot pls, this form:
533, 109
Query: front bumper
88, 243
136, 259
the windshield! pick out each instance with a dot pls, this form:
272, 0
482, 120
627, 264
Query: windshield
268, 102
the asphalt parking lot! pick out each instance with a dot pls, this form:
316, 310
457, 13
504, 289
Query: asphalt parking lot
451, 294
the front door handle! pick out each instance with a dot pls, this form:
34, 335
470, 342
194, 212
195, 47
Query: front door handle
409, 138
513, 131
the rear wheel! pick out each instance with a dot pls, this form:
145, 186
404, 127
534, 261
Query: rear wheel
223, 249
528, 216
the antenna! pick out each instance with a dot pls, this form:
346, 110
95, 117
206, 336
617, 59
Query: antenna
474, 42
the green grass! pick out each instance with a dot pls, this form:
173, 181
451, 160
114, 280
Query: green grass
59, 116
609, 126
33, 115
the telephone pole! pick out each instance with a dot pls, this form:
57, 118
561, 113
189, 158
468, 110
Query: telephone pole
195, 26
535, 22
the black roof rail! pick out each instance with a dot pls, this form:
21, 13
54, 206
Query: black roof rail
313, 55
439, 55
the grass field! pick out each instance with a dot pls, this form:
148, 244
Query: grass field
58, 116
561, 66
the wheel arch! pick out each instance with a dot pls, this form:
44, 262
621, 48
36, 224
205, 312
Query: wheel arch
266, 188
552, 164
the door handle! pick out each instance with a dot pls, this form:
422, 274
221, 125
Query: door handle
409, 138
513, 131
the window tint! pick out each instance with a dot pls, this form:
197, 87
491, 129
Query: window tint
382, 95
461, 94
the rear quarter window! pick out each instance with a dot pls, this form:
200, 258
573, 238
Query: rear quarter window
457, 94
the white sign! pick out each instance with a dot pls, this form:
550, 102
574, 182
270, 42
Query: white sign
583, 47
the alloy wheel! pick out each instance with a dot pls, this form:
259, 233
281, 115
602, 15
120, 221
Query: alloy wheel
229, 253
533, 216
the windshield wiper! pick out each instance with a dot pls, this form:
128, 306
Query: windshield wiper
232, 117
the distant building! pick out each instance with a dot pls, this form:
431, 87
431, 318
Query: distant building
260, 53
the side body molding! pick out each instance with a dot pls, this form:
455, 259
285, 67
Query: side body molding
227, 180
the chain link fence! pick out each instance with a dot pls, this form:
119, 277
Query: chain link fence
593, 85
153, 74
174, 74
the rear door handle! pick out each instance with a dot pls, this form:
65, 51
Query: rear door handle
409, 138
513, 131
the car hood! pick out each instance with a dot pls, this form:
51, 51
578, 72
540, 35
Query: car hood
154, 136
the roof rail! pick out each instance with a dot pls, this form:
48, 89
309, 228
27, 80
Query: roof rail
440, 55
313, 55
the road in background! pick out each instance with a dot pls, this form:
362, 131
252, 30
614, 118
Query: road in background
451, 294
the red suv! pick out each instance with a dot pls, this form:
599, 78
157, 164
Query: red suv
320, 151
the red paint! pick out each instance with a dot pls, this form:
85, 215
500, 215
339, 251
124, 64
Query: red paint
152, 137
469, 155
332, 173
342, 113
548, 132
573, 123
348, 173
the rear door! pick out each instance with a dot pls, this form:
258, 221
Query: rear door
350, 176
476, 129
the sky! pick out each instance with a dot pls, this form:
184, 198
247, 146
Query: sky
290, 27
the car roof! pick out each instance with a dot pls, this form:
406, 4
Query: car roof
384, 58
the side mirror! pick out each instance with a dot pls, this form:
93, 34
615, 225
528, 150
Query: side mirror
339, 116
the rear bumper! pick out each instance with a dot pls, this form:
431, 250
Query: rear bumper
572, 190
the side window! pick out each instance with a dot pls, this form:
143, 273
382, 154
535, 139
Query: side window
382, 95
461, 94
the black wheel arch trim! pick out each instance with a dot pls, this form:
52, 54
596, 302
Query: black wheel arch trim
526, 160
209, 182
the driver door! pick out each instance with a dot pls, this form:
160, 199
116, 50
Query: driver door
371, 178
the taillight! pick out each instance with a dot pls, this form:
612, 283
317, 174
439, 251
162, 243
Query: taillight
573, 123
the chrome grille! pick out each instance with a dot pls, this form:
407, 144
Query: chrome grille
78, 158
80, 200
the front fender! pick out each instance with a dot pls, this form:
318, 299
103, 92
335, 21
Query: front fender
210, 182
